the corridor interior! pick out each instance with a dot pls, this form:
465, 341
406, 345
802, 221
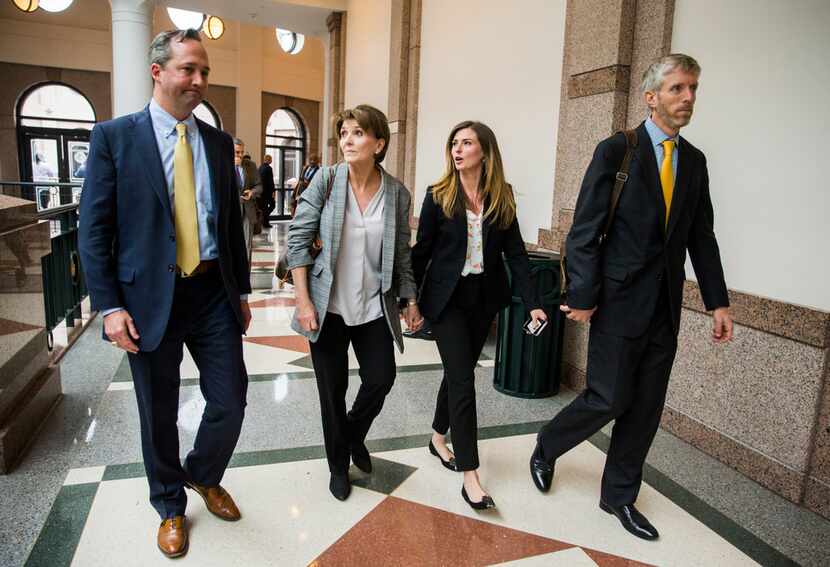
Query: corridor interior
79, 497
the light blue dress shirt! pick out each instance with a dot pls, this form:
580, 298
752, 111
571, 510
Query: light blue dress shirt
164, 127
657, 138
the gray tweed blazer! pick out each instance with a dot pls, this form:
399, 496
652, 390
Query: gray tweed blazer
313, 216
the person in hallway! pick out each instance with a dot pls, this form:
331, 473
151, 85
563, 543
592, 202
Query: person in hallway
468, 220
161, 243
266, 201
630, 287
349, 293
306, 175
250, 189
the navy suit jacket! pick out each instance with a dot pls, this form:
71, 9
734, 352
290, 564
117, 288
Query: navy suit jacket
623, 277
127, 237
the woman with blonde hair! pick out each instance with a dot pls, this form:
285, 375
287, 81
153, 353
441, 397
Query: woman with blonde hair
468, 221
349, 293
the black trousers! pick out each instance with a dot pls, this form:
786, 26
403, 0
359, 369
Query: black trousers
373, 346
201, 318
460, 333
627, 381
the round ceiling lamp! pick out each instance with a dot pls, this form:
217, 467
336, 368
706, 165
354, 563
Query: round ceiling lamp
55, 5
291, 42
185, 19
25, 5
213, 27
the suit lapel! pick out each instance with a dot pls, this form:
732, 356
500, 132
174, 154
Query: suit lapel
148, 148
650, 171
338, 201
390, 208
681, 184
212, 155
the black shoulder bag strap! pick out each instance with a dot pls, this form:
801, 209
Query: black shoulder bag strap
619, 183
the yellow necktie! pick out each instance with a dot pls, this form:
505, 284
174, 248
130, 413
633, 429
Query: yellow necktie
184, 188
667, 176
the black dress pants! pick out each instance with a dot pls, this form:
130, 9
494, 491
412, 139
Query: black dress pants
460, 333
373, 346
201, 318
627, 381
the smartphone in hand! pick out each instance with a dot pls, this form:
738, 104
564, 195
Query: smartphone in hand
535, 328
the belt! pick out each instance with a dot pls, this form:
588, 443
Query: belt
204, 267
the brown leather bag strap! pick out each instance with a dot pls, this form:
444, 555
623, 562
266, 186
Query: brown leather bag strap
330, 183
621, 178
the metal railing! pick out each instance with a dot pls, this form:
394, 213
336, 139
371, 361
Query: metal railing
64, 287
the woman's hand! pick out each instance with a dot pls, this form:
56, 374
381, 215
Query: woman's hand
413, 317
538, 315
306, 315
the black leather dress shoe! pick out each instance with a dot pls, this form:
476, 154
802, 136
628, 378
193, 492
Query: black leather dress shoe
340, 486
541, 471
361, 458
632, 520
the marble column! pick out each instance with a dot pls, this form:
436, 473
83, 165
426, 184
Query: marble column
336, 23
132, 29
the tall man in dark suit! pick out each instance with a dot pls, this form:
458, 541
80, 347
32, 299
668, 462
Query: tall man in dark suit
165, 262
267, 203
630, 287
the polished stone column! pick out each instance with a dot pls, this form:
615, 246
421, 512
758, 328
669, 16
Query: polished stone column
336, 23
132, 32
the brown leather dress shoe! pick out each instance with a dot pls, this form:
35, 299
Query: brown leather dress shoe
172, 539
218, 501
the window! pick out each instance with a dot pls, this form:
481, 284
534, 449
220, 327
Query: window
56, 106
292, 43
206, 113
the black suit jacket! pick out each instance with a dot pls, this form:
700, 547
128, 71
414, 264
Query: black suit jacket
439, 254
266, 175
623, 277
127, 237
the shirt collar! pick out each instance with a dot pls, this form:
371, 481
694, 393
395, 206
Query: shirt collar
657, 135
165, 123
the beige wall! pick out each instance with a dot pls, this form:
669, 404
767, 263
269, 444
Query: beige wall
761, 118
368, 33
480, 61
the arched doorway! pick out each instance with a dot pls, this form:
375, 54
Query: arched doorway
285, 142
54, 122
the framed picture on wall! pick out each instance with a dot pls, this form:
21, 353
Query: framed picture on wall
78, 152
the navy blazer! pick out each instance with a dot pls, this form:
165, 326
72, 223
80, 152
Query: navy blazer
623, 277
439, 254
126, 232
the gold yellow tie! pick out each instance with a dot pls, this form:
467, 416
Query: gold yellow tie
667, 176
184, 188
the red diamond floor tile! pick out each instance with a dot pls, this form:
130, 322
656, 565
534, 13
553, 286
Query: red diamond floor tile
295, 343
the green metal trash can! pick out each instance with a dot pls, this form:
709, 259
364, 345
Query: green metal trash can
528, 366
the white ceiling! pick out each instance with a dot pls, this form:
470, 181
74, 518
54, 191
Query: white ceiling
302, 16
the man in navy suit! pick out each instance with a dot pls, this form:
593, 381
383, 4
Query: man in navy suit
165, 261
630, 287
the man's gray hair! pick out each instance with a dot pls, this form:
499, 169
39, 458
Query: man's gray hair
653, 77
160, 47
238, 142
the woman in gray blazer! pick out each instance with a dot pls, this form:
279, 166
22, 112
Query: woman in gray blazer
350, 292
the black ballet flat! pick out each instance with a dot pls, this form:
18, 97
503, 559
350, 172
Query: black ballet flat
448, 464
486, 503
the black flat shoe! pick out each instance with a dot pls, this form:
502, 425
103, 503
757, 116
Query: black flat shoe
448, 464
632, 520
361, 458
486, 503
340, 486
541, 471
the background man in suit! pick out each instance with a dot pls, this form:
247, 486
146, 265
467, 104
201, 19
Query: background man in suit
165, 262
250, 189
267, 204
630, 287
